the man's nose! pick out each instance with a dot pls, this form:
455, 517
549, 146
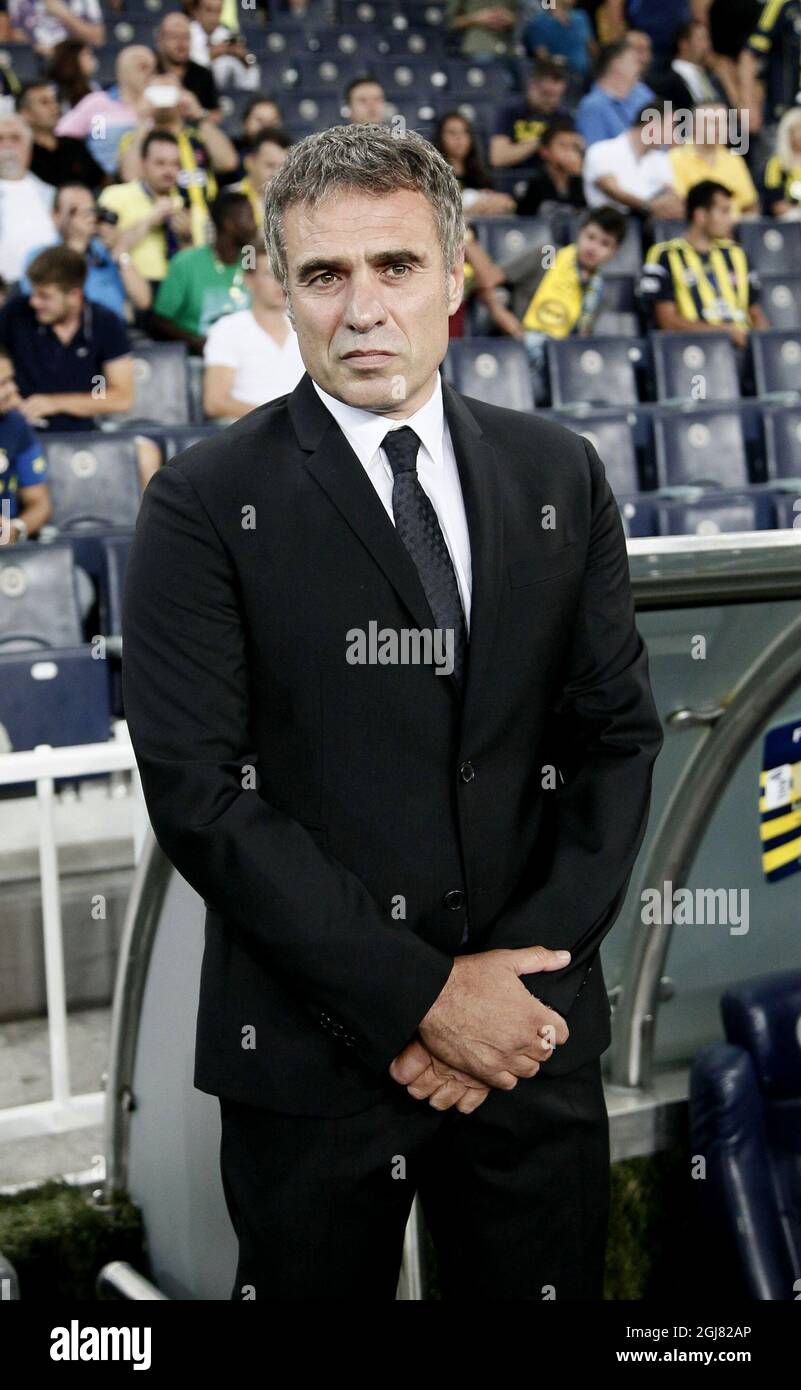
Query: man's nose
363, 306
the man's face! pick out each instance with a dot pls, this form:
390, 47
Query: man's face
15, 151
717, 221
628, 64
546, 93
263, 165
161, 166
264, 288
366, 103
174, 38
41, 109
135, 66
8, 386
641, 46
595, 247
564, 152
263, 114
53, 305
208, 13
75, 212
366, 276
699, 44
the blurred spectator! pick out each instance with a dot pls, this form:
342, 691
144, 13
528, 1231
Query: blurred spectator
709, 158
262, 162
24, 494
46, 22
774, 52
731, 23
634, 171
203, 148
659, 19
486, 30
173, 43
56, 159
689, 80
641, 43
102, 118
782, 177
213, 45
111, 276
563, 32
25, 201
206, 282
616, 96
456, 139
520, 124
71, 69
481, 276
365, 100
560, 180
152, 218
259, 113
251, 356
702, 280
556, 294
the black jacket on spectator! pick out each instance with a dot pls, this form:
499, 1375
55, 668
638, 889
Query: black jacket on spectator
69, 162
542, 189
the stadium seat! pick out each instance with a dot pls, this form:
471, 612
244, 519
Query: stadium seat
472, 79
638, 516
781, 300
695, 366
195, 366
93, 479
161, 378
318, 109
505, 237
596, 372
115, 550
424, 75
39, 601
60, 697
495, 370
666, 228
788, 510
610, 433
783, 443
716, 515
777, 363
175, 441
772, 247
700, 448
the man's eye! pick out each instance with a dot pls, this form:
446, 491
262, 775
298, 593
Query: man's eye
401, 265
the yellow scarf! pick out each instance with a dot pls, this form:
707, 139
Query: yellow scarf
556, 304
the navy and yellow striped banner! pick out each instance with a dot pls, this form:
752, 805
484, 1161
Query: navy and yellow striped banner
780, 802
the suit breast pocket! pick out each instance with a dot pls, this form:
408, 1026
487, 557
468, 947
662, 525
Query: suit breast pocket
542, 567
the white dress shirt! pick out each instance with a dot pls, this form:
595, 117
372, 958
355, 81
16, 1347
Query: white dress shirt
436, 469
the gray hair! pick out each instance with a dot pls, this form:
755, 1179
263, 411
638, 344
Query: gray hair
374, 160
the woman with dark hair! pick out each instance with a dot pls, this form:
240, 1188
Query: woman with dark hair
71, 68
456, 139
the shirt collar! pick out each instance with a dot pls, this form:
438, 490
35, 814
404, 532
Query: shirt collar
365, 429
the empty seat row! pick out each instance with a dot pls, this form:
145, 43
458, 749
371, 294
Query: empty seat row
712, 514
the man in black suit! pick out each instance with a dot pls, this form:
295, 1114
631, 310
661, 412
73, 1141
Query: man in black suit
394, 725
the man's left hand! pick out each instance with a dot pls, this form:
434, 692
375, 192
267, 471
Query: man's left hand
427, 1078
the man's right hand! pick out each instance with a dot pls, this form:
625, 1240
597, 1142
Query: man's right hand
486, 1023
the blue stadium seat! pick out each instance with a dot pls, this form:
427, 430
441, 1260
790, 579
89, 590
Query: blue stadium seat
505, 237
598, 371
777, 363
316, 109
781, 300
161, 380
39, 602
424, 75
772, 247
475, 79
495, 370
323, 74
788, 510
638, 516
60, 697
695, 366
715, 515
700, 448
115, 550
93, 479
666, 228
610, 433
783, 443
175, 441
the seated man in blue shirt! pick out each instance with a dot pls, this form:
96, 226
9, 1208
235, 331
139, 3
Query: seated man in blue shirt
565, 32
617, 95
72, 358
24, 494
112, 278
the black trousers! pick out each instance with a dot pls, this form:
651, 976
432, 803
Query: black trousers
515, 1196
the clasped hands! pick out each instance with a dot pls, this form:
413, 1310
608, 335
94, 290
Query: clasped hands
483, 1030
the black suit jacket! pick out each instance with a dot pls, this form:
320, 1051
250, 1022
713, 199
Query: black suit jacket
342, 822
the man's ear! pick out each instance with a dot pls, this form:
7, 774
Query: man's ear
456, 283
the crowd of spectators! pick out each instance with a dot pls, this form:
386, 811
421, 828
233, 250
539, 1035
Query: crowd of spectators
132, 210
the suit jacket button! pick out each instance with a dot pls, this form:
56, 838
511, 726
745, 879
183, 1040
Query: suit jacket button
467, 772
455, 900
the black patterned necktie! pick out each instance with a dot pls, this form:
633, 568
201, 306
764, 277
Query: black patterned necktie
418, 527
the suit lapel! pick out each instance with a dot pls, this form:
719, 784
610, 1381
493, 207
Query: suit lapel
336, 468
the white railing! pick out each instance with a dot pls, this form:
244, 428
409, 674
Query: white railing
42, 765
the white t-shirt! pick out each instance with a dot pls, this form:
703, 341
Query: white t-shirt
263, 370
46, 29
25, 222
642, 178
